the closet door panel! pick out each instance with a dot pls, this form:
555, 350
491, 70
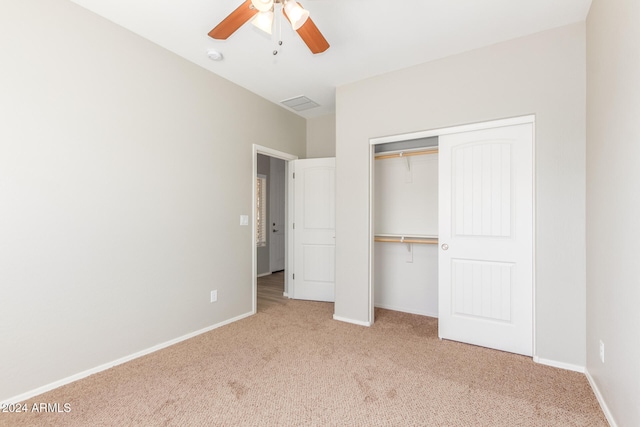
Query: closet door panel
481, 189
486, 238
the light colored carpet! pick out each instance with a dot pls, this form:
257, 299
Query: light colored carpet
292, 365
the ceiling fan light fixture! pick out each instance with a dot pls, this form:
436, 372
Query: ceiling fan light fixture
262, 5
296, 14
264, 21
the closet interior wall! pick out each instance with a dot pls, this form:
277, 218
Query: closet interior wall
406, 226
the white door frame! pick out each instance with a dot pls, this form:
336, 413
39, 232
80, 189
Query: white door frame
259, 149
439, 132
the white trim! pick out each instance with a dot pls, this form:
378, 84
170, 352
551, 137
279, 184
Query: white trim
289, 283
371, 301
561, 365
259, 149
273, 153
534, 344
603, 405
454, 129
32, 393
264, 274
352, 321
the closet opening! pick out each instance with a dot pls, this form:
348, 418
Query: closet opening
405, 226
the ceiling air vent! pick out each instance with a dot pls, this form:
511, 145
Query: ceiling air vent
300, 103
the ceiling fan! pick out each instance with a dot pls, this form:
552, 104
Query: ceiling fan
262, 12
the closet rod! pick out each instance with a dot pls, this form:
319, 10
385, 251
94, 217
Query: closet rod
381, 156
419, 240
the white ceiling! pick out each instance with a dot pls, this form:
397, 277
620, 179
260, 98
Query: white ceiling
367, 37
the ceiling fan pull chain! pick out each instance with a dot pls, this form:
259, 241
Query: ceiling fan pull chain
279, 23
280, 27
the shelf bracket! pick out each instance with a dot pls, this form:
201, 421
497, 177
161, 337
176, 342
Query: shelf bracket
409, 251
407, 161
408, 177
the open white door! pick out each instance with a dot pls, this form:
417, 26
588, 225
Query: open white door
314, 229
485, 217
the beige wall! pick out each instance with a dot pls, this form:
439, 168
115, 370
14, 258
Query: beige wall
123, 172
613, 205
321, 136
543, 74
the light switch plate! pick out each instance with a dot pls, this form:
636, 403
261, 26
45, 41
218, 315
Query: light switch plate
244, 219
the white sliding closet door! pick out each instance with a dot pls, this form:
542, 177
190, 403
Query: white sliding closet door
485, 217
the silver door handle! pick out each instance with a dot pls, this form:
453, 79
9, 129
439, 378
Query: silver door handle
444, 246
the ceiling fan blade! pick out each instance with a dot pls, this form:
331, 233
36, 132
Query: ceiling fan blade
235, 20
311, 35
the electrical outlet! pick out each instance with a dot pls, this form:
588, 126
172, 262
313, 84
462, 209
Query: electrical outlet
214, 296
601, 351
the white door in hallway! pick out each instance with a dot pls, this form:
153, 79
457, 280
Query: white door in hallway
314, 232
485, 218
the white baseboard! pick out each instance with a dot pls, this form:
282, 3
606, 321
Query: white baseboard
285, 294
561, 365
268, 273
104, 367
355, 322
407, 310
603, 405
